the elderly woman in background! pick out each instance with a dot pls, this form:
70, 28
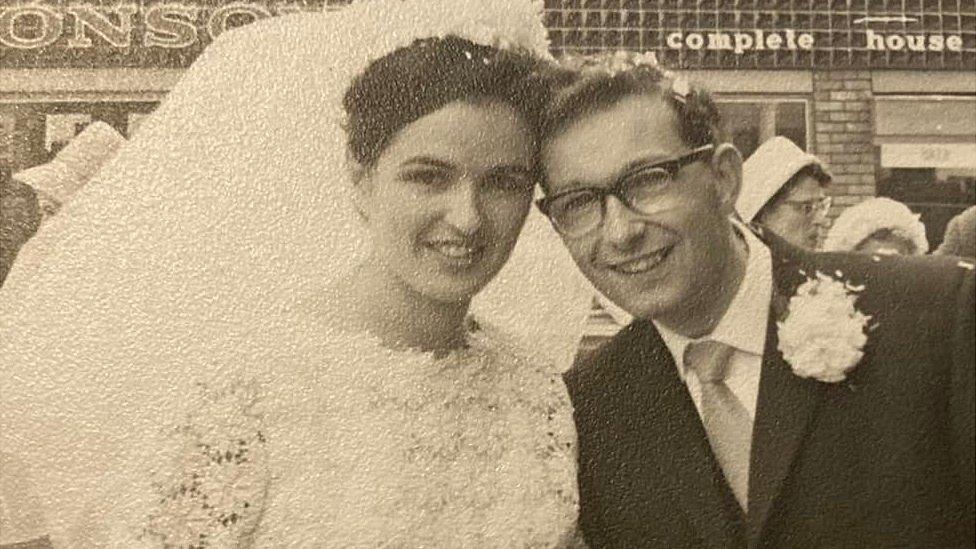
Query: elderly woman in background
34, 194
878, 226
783, 190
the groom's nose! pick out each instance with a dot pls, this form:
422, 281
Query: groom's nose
621, 226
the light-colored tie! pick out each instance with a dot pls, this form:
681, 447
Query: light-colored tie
725, 419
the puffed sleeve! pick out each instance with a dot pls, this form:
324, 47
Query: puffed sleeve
202, 485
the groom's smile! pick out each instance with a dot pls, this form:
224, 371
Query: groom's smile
641, 264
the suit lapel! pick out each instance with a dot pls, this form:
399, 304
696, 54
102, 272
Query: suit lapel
675, 441
785, 407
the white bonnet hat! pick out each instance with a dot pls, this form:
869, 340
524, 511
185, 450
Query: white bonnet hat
75, 164
767, 170
862, 220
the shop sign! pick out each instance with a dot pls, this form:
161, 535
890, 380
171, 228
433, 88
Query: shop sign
929, 155
172, 25
166, 25
789, 39
741, 42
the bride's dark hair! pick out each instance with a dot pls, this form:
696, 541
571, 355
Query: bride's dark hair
414, 81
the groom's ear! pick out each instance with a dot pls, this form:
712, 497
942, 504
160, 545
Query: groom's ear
727, 166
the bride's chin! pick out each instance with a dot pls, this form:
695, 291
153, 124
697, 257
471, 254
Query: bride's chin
457, 293
370, 291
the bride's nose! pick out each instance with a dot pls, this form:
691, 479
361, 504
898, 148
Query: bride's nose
462, 206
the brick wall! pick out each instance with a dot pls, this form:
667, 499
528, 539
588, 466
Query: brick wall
842, 134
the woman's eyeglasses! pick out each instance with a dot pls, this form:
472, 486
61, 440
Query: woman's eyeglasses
817, 206
579, 211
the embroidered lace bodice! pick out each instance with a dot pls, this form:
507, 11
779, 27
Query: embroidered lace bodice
345, 443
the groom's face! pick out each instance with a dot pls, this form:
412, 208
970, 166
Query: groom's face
650, 264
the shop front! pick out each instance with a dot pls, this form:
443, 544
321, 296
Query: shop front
65, 63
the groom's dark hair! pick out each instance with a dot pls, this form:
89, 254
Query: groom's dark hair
586, 91
412, 82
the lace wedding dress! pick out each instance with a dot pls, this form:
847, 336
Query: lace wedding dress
342, 442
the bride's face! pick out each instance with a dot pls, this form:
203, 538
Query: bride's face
446, 200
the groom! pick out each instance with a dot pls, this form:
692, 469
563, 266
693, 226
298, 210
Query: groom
694, 429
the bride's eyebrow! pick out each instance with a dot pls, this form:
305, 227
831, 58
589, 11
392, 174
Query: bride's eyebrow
427, 161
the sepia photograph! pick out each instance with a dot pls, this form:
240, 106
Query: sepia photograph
605, 274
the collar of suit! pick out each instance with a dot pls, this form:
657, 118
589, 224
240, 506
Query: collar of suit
743, 326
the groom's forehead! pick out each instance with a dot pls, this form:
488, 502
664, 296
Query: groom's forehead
636, 127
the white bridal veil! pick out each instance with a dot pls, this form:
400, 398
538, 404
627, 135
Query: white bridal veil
227, 207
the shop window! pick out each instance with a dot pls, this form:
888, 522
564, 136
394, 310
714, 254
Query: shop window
8, 151
32, 133
927, 155
60, 128
751, 122
937, 194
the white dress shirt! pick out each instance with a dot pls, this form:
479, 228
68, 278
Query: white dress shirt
743, 327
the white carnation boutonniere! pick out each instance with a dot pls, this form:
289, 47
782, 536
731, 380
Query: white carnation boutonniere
824, 334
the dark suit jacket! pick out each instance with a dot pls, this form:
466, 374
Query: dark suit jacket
882, 459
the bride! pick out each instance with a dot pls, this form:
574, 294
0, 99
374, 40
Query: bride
258, 325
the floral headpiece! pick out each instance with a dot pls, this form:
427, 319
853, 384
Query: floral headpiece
495, 23
613, 63
377, 28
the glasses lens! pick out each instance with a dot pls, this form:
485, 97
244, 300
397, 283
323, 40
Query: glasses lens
825, 204
576, 213
813, 207
816, 207
643, 189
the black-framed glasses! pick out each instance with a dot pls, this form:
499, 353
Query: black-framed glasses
579, 211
